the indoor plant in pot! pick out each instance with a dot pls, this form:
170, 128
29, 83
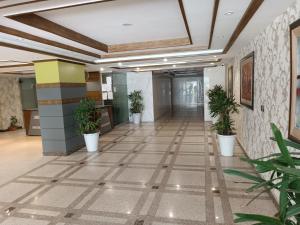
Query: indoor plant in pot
136, 106
13, 124
224, 107
278, 171
212, 94
88, 120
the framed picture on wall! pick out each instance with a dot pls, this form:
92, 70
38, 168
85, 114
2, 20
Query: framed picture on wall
247, 81
294, 119
230, 81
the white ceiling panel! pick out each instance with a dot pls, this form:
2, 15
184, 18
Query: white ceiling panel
151, 20
31, 44
199, 15
19, 55
226, 24
264, 16
31, 30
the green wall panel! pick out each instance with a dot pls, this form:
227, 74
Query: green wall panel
120, 102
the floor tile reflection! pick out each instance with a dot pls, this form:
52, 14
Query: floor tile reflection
163, 173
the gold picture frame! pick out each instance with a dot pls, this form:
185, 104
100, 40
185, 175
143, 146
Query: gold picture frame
294, 111
247, 81
230, 81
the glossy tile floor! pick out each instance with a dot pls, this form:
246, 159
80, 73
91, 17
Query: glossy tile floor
163, 173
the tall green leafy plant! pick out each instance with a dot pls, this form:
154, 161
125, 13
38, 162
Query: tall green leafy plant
87, 117
213, 95
222, 106
136, 102
282, 170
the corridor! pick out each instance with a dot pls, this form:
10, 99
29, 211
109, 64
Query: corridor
163, 173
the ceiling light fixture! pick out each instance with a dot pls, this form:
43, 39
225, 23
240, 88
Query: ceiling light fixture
164, 55
127, 24
120, 64
153, 64
174, 66
228, 13
101, 69
165, 60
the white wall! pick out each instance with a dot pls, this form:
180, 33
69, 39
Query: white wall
142, 81
212, 76
162, 96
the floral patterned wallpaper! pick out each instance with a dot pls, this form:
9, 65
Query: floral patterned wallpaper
271, 85
10, 101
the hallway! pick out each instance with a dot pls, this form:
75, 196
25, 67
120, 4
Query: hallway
165, 173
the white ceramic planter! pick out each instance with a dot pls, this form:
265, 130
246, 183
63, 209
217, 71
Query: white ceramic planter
91, 141
226, 143
136, 118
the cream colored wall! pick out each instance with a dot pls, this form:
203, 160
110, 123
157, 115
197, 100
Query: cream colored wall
10, 101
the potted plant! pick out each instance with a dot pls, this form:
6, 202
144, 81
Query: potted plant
224, 106
136, 106
283, 174
13, 123
88, 120
212, 94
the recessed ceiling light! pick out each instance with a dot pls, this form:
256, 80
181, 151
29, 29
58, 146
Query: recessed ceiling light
215, 56
212, 63
138, 69
127, 24
174, 66
101, 69
165, 60
228, 13
120, 64
163, 55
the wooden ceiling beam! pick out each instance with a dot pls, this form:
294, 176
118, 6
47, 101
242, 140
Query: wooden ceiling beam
8, 45
213, 22
17, 65
149, 45
41, 23
150, 52
185, 20
21, 3
251, 10
14, 32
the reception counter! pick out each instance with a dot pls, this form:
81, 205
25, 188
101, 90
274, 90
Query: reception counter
32, 120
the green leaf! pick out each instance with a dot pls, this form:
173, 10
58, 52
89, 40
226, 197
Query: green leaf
287, 170
283, 198
244, 175
281, 145
293, 211
255, 217
261, 166
289, 143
